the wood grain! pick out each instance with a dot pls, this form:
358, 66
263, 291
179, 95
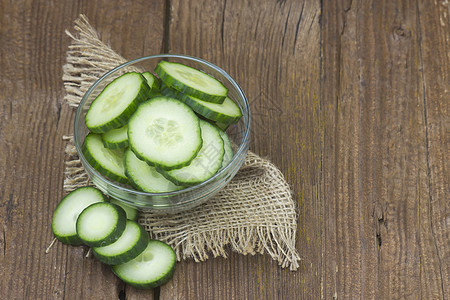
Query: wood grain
349, 99
272, 49
434, 43
378, 202
33, 120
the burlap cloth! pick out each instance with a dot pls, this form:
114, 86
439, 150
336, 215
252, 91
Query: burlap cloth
254, 213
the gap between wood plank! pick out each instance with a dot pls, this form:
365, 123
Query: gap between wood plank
165, 47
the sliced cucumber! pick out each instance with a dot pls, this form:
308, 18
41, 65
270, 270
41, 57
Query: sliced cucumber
132, 213
191, 81
152, 268
101, 224
206, 163
228, 154
165, 132
109, 162
152, 81
128, 246
145, 177
222, 125
226, 112
117, 102
116, 138
67, 211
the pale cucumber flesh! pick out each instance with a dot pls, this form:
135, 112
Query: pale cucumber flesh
117, 102
206, 163
191, 81
152, 268
165, 132
67, 211
146, 177
101, 224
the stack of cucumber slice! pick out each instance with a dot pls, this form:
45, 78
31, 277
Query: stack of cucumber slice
85, 216
163, 132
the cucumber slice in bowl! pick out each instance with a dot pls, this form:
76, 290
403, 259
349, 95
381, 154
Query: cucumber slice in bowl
109, 162
152, 268
128, 246
226, 112
117, 102
152, 81
67, 212
191, 81
205, 164
228, 154
145, 177
116, 138
101, 224
165, 133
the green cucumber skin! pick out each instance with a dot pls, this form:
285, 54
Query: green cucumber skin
222, 125
131, 181
175, 180
134, 182
155, 88
228, 154
129, 254
74, 240
172, 82
198, 108
115, 146
150, 285
91, 160
116, 138
114, 235
122, 119
149, 77
181, 183
162, 167
155, 94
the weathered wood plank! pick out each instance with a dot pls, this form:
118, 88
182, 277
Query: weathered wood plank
434, 41
33, 120
377, 190
352, 105
272, 48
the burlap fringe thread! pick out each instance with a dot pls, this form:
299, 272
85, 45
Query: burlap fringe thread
253, 214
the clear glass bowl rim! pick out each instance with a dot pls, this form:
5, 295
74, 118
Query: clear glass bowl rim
237, 155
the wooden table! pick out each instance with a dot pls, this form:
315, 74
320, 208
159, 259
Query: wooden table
350, 99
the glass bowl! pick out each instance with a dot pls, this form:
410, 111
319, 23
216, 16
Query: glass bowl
177, 201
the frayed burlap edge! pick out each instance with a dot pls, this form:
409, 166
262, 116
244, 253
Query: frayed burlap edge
88, 58
253, 214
